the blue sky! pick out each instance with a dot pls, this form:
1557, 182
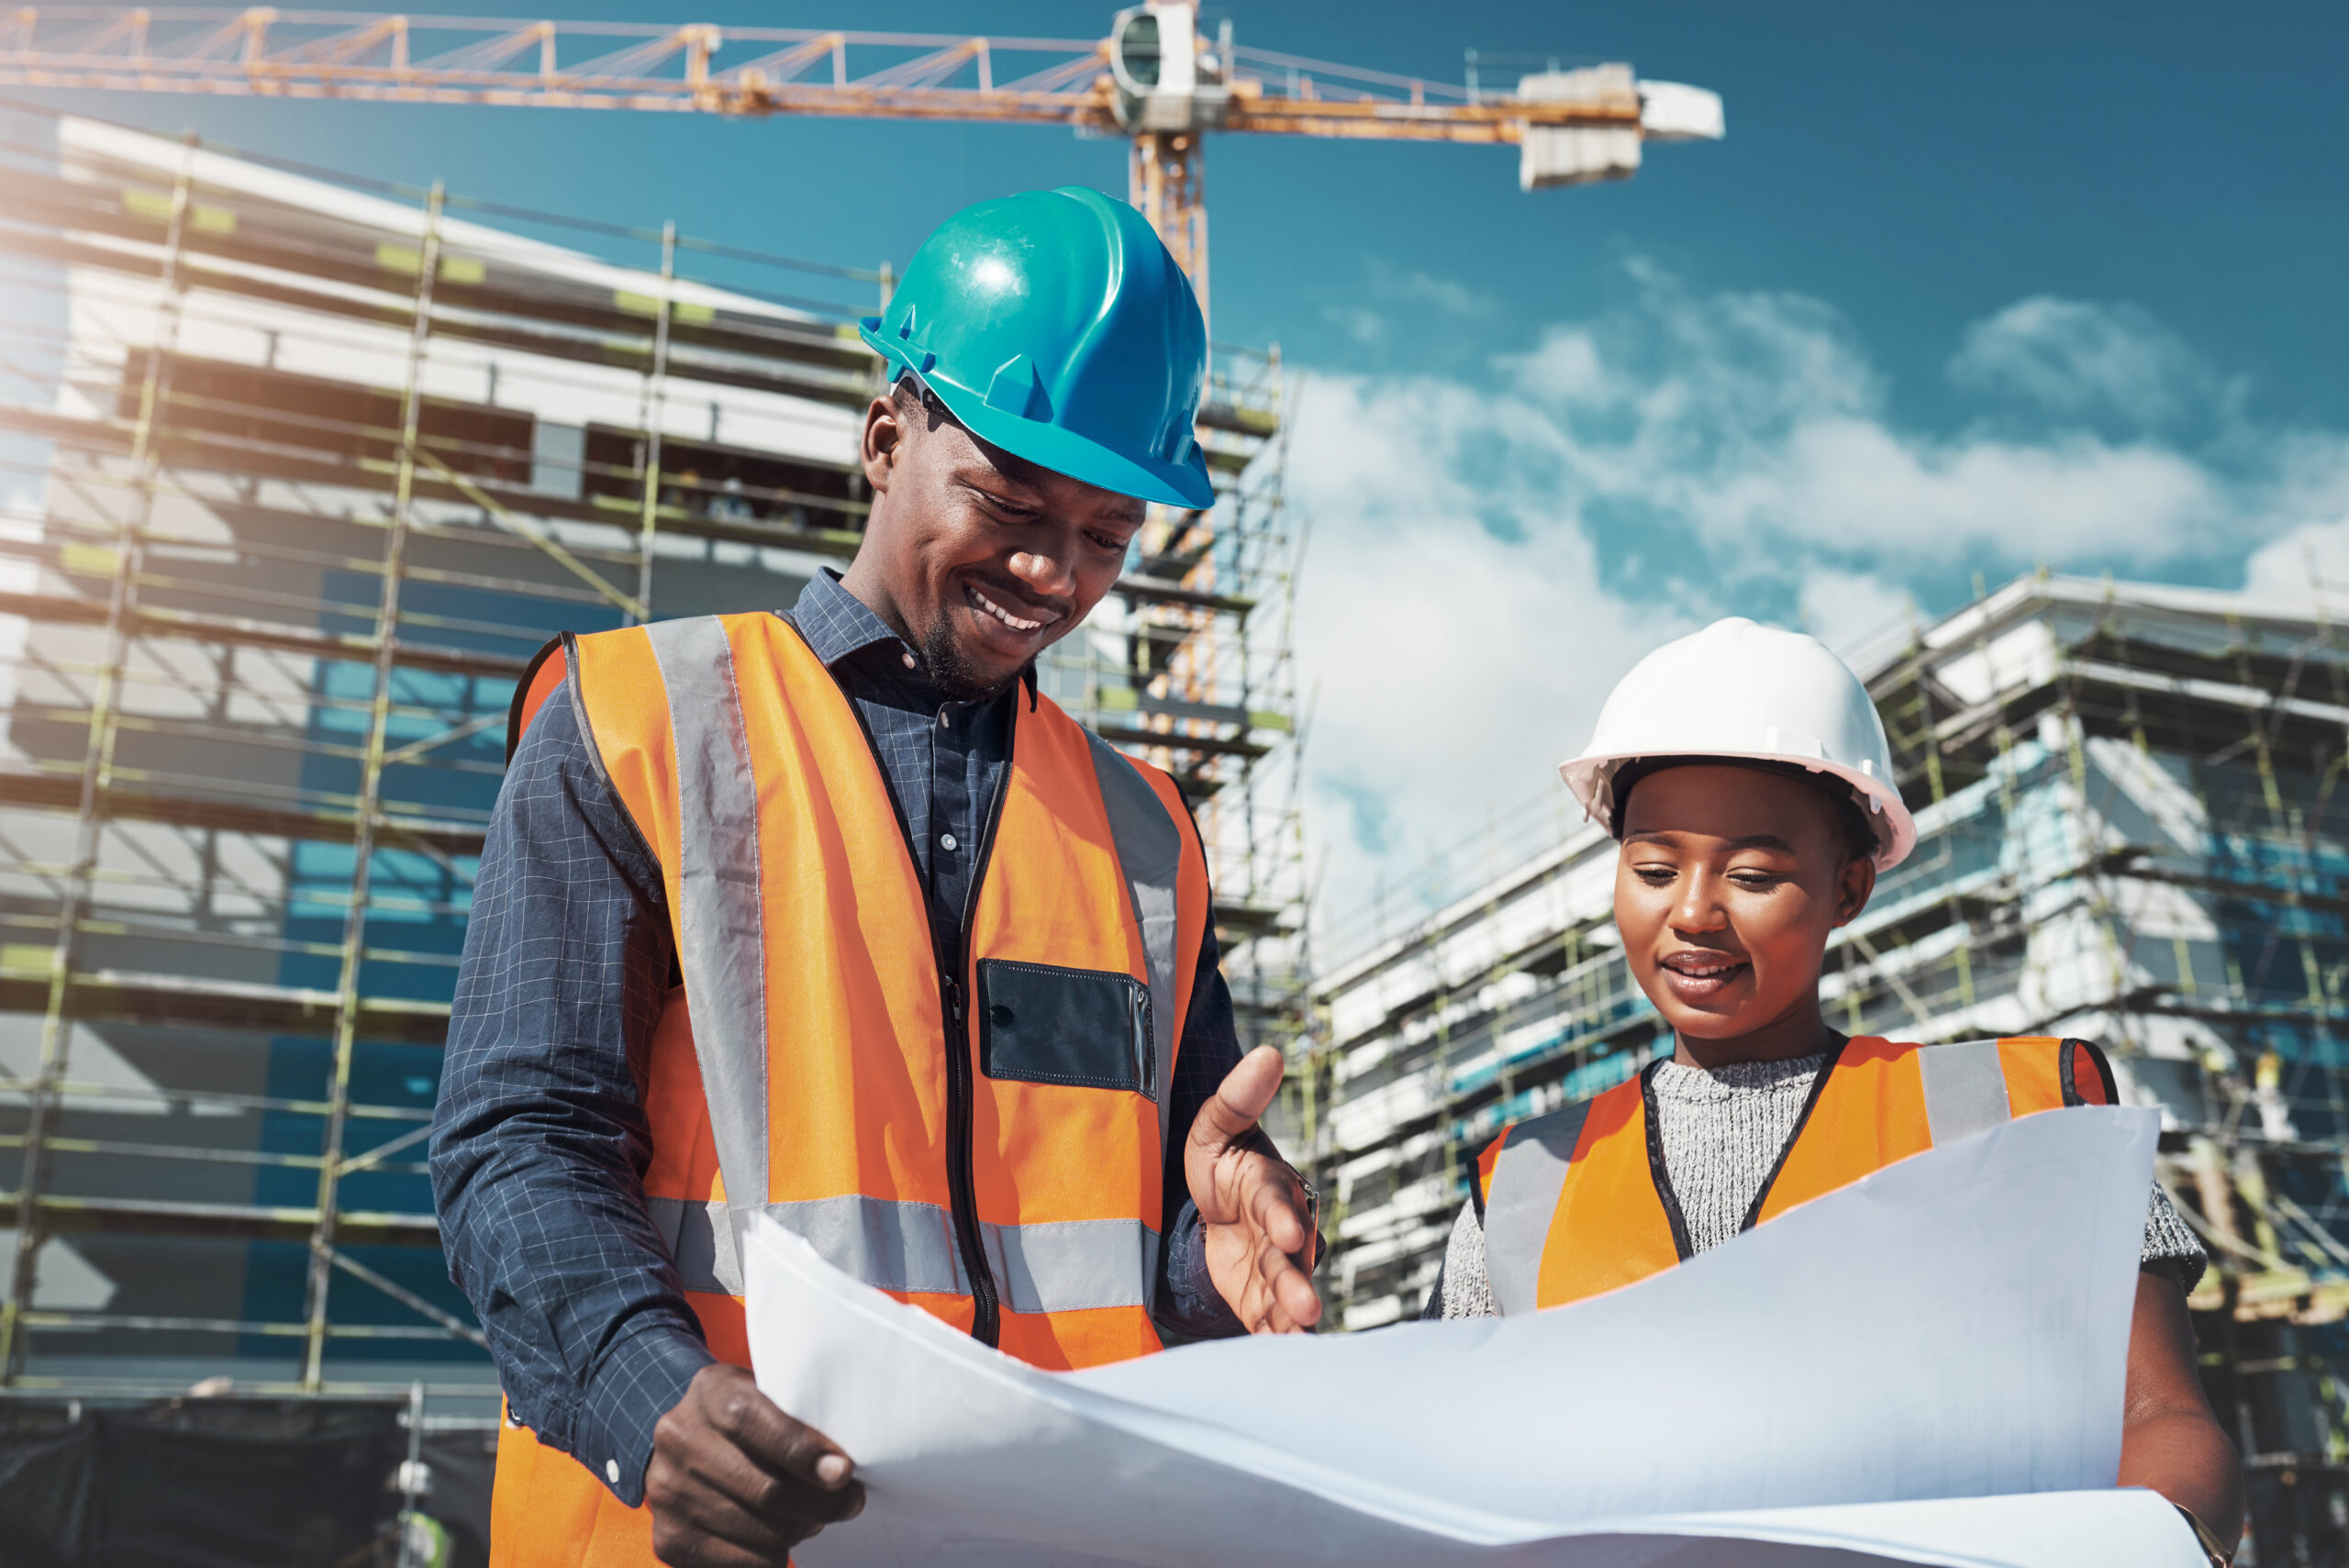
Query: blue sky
1967, 289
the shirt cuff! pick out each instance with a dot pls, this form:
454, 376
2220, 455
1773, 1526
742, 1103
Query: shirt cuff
2167, 1241
1189, 1306
641, 1380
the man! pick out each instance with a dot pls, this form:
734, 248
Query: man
835, 917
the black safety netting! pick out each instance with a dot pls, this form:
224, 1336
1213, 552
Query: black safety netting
228, 1483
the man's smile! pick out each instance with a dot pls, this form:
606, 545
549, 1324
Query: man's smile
1021, 628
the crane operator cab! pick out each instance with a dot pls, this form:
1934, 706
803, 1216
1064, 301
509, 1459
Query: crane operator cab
1168, 77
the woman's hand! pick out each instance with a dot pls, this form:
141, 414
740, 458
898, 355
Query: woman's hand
2169, 1439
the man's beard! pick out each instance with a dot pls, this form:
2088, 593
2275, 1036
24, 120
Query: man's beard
951, 672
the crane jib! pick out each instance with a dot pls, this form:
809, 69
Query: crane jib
1155, 79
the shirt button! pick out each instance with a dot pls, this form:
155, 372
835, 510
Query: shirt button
947, 841
909, 658
612, 1471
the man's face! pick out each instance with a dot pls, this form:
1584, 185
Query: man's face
980, 559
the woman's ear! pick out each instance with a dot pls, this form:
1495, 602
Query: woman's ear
1853, 885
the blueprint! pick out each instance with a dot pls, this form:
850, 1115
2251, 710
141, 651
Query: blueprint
1925, 1367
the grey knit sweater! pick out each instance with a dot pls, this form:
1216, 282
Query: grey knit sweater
1723, 1130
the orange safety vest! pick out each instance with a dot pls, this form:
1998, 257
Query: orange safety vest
984, 1139
1577, 1202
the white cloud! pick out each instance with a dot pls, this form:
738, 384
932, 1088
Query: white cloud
1362, 326
1489, 556
1443, 294
1451, 668
2076, 358
1853, 483
1757, 420
2309, 564
1567, 370
1398, 296
1857, 614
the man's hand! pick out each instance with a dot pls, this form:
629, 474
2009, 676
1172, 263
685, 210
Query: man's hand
734, 1483
1252, 1204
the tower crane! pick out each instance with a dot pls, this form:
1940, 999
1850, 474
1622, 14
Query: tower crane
1156, 80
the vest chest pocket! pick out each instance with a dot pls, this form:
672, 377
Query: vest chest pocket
1089, 1029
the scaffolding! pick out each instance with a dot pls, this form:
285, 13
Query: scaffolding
2123, 801
1193, 668
296, 472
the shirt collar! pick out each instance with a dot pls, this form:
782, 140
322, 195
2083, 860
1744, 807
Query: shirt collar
838, 625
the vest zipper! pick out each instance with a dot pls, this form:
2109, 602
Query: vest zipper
984, 1327
986, 1324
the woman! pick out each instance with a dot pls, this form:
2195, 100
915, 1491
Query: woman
1744, 772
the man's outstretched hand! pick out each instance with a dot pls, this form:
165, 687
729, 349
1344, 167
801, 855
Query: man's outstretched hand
734, 1483
1252, 1205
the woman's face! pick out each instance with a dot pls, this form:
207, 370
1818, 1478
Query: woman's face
1727, 885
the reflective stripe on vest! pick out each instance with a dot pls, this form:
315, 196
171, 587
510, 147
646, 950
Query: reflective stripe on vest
1526, 1179
721, 927
1964, 1088
1150, 850
1876, 1102
908, 1247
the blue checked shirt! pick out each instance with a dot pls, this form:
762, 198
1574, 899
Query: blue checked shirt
540, 1144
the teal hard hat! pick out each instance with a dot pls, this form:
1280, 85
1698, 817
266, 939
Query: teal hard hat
1055, 325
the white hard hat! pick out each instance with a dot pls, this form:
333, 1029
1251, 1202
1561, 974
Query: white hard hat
1756, 693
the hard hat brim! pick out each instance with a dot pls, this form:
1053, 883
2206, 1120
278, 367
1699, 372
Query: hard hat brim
1056, 448
1592, 779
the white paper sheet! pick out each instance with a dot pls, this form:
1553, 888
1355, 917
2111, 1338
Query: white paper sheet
1925, 1367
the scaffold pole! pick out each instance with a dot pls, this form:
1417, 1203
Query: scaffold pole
97, 768
371, 791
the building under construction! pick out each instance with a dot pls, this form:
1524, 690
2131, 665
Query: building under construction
296, 472
299, 471
2123, 802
